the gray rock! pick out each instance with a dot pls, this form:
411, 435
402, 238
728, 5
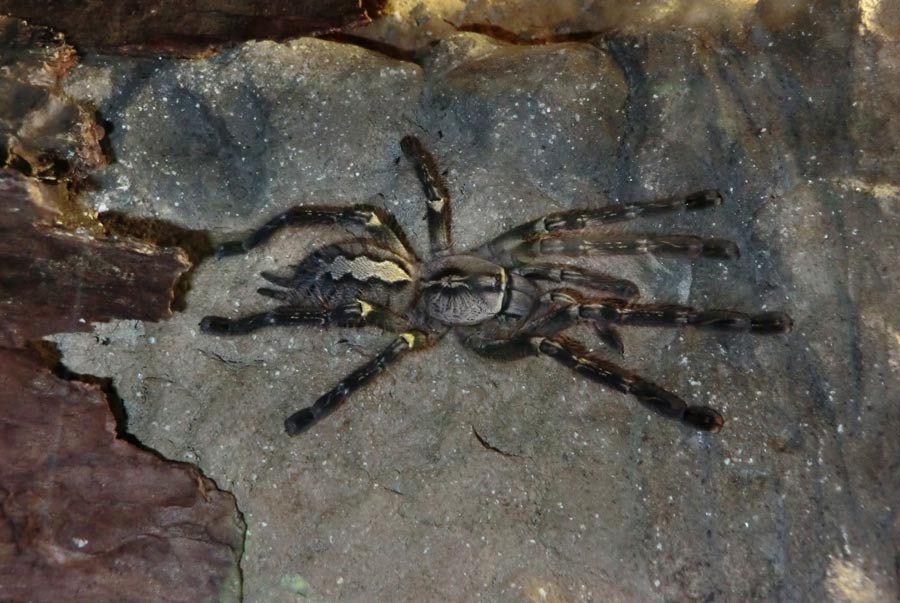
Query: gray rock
457, 479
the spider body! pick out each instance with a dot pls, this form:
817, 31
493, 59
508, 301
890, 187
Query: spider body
504, 299
464, 290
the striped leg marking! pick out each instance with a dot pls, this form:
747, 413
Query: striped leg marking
372, 220
353, 314
572, 354
659, 315
305, 418
579, 219
436, 194
592, 243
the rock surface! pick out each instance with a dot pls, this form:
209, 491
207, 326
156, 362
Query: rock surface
458, 479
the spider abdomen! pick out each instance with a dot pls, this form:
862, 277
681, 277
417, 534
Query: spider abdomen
351, 271
506, 299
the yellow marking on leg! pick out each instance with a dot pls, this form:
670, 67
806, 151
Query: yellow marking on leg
504, 279
366, 308
411, 338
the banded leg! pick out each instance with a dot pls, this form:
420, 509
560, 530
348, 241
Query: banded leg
658, 244
667, 315
574, 275
562, 309
438, 198
353, 314
572, 354
578, 219
358, 217
304, 418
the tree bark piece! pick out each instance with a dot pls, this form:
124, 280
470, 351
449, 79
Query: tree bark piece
54, 280
84, 512
185, 28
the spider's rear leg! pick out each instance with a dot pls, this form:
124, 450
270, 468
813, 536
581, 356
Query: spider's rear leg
501, 246
436, 193
360, 218
572, 354
353, 314
304, 418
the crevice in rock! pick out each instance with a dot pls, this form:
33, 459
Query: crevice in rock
488, 446
389, 50
629, 55
50, 354
195, 243
510, 37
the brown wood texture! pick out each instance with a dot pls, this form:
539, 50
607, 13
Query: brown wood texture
54, 280
85, 516
187, 27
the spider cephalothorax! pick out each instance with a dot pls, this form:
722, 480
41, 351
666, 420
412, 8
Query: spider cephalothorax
501, 299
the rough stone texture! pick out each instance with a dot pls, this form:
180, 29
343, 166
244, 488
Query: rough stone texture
458, 479
86, 516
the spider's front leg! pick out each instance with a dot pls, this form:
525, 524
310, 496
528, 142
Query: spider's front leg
522, 239
626, 244
304, 418
361, 218
566, 307
436, 194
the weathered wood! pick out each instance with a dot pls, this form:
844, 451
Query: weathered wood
185, 28
52, 280
85, 512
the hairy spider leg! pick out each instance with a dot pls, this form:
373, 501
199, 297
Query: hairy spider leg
436, 194
279, 294
574, 275
578, 219
572, 354
670, 315
372, 220
633, 244
353, 314
304, 418
561, 311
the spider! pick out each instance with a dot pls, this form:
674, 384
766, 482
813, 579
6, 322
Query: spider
503, 299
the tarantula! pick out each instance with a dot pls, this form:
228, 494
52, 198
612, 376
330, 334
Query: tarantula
500, 299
